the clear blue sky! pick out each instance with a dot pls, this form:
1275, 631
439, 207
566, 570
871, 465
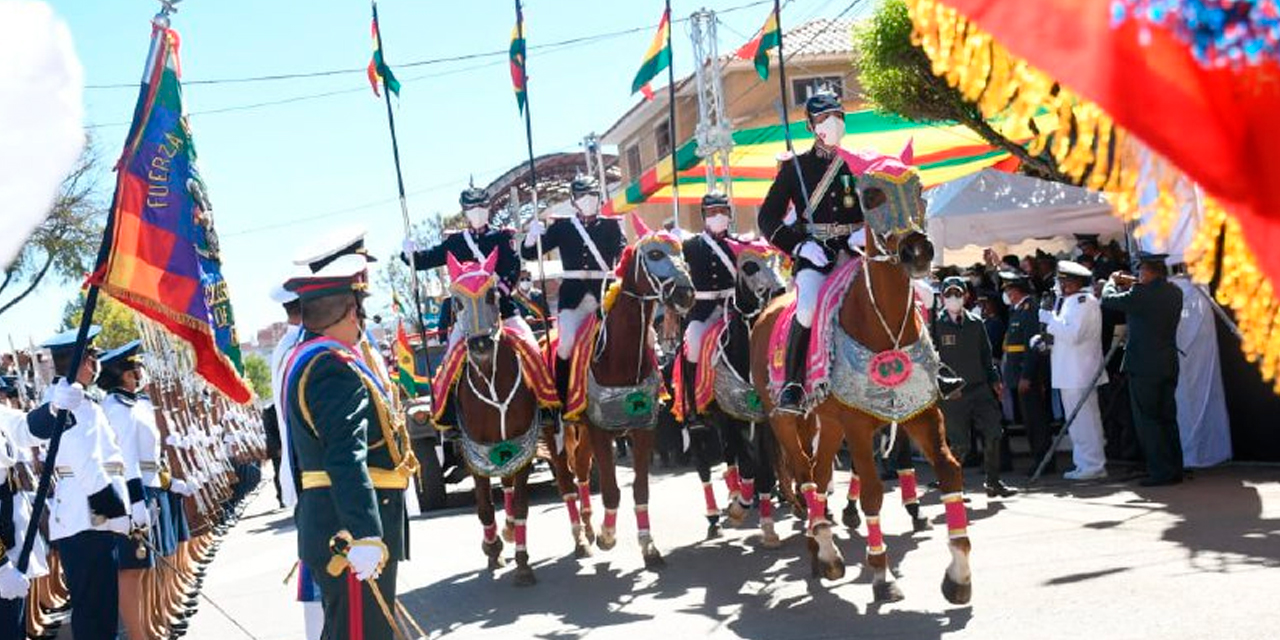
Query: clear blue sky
283, 173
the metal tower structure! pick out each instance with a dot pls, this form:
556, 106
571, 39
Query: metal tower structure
714, 133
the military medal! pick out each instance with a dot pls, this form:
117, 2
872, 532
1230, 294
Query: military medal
848, 192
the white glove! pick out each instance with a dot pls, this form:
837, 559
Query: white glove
67, 396
813, 252
139, 518
119, 525
13, 585
366, 559
409, 247
1046, 316
536, 229
181, 487
858, 240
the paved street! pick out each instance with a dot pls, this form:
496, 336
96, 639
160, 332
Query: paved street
1109, 560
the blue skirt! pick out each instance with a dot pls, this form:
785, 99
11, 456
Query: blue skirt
164, 533
178, 515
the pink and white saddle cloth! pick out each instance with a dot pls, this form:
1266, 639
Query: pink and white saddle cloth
825, 319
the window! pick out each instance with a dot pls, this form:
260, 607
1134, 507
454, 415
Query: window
663, 138
803, 88
633, 161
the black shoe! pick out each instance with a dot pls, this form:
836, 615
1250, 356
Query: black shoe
1160, 482
998, 489
792, 397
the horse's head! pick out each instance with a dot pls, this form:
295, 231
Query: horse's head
655, 269
758, 276
474, 293
890, 193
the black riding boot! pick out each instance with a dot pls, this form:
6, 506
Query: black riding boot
690, 373
949, 384
562, 385
797, 355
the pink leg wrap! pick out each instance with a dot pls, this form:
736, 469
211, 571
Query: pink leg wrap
571, 504
733, 481
748, 491
875, 537
855, 488
611, 518
766, 506
521, 535
957, 518
709, 495
509, 501
642, 517
816, 503
584, 497
907, 481
491, 532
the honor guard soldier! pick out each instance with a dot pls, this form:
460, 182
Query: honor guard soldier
711, 265
1075, 361
353, 460
827, 213
1022, 371
1154, 308
88, 512
590, 247
474, 244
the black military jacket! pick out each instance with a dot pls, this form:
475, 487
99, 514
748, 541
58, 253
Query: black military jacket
708, 272
839, 204
607, 235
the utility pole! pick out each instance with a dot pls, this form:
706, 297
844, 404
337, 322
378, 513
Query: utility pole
714, 132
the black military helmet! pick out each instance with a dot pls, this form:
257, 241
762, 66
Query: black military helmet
473, 196
714, 200
822, 102
583, 185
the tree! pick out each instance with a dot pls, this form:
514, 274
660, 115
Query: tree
394, 277
66, 244
117, 321
258, 372
897, 77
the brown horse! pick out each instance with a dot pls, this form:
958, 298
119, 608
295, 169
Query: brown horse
497, 412
623, 381
886, 356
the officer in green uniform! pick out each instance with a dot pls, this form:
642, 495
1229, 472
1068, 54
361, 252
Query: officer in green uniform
962, 344
1023, 371
1154, 307
352, 460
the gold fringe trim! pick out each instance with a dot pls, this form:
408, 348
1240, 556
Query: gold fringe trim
1094, 152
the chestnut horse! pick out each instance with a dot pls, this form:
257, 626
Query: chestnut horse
890, 359
622, 381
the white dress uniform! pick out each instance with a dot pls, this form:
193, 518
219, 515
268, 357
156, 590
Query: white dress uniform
1076, 357
89, 460
14, 438
279, 356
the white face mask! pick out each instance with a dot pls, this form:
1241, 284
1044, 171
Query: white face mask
477, 217
526, 285
588, 205
831, 130
1005, 297
953, 304
717, 223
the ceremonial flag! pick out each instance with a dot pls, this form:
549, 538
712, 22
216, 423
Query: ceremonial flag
378, 70
160, 251
517, 52
758, 49
407, 368
657, 58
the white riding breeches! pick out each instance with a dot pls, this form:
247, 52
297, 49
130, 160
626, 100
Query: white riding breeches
808, 286
694, 332
570, 320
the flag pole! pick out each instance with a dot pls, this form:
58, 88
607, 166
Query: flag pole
786, 119
671, 124
404, 206
533, 168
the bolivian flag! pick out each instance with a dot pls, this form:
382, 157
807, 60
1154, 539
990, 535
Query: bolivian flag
407, 371
758, 49
517, 54
378, 70
656, 59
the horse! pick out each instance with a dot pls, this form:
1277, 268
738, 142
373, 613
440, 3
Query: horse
882, 363
734, 408
495, 392
616, 381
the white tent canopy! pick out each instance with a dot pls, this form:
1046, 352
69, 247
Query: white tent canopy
1013, 214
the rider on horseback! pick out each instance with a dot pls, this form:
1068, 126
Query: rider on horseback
821, 232
710, 259
590, 246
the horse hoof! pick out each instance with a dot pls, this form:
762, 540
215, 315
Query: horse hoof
524, 577
768, 537
954, 592
588, 531
834, 570
606, 540
581, 550
713, 531
920, 524
509, 532
493, 550
736, 513
850, 517
887, 591
653, 558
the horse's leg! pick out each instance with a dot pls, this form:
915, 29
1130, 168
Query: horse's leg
861, 436
741, 474
700, 442
492, 544
642, 450
602, 447
582, 456
827, 559
761, 449
908, 486
564, 482
850, 516
523, 576
508, 510
928, 432
795, 456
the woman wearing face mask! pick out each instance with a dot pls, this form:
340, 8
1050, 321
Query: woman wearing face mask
827, 213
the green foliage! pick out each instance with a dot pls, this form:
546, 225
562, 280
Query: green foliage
258, 372
394, 276
116, 320
897, 76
